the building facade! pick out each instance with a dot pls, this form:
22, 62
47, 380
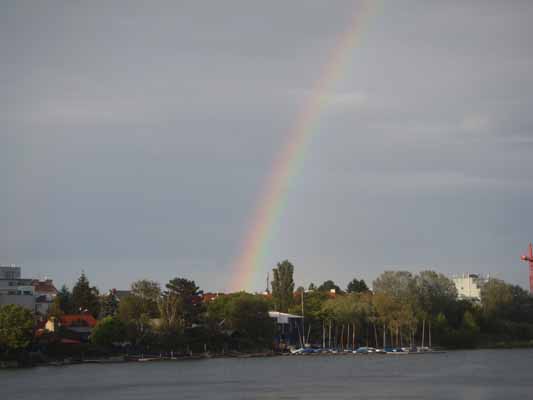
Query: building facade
35, 295
45, 293
469, 286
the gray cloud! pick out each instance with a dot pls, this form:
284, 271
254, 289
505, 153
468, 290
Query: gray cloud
135, 138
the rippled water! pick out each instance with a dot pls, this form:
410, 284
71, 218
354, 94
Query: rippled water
484, 374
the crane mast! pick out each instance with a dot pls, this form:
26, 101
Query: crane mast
529, 258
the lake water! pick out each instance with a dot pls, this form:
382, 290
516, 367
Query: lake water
484, 374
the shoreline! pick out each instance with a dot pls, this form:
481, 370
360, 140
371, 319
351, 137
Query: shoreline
149, 358
125, 359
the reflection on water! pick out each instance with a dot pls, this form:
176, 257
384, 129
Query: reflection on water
486, 374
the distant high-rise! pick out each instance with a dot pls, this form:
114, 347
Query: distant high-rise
469, 286
9, 272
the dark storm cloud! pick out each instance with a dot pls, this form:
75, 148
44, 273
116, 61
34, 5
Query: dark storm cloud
136, 136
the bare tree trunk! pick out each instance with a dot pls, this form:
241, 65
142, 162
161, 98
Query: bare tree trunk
348, 337
342, 337
376, 334
429, 332
398, 335
353, 337
423, 330
329, 334
384, 335
323, 334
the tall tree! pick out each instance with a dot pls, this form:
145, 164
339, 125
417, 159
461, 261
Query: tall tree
149, 292
146, 289
496, 297
171, 310
187, 296
435, 292
396, 302
64, 301
398, 284
85, 297
357, 286
283, 286
132, 311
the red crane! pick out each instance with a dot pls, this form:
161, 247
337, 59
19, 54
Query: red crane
529, 258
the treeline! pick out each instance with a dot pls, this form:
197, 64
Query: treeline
406, 310
402, 309
174, 318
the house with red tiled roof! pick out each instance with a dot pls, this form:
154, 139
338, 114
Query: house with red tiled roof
208, 297
79, 326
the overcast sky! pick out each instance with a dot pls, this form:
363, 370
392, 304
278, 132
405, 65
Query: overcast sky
135, 138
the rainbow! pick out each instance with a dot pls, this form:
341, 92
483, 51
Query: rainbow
288, 163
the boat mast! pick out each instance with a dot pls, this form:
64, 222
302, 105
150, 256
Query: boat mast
303, 320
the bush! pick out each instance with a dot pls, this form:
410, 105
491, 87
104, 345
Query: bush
108, 331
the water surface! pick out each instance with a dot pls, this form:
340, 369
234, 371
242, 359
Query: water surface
484, 374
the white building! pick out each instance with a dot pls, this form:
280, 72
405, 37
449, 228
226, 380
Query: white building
9, 272
33, 294
469, 286
14, 289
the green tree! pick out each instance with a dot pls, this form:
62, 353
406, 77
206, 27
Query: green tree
16, 327
85, 297
313, 302
150, 293
521, 309
398, 284
248, 315
243, 314
349, 312
186, 294
55, 309
133, 312
283, 286
387, 309
328, 286
107, 331
64, 301
146, 289
435, 293
109, 304
172, 312
496, 297
357, 286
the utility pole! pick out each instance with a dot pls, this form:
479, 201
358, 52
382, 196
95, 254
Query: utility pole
529, 258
